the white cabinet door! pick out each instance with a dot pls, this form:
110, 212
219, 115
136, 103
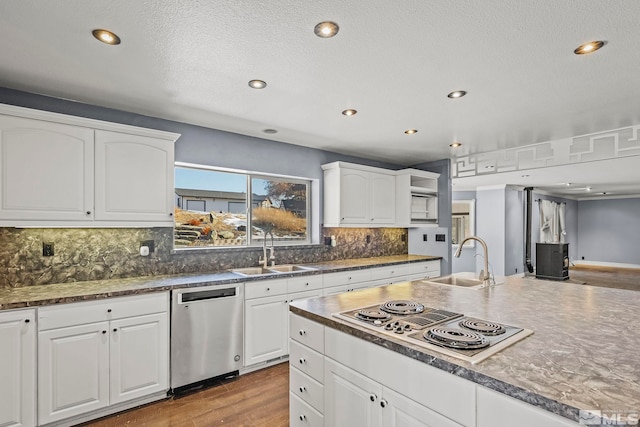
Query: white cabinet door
134, 178
139, 351
354, 197
17, 368
73, 371
400, 411
382, 198
265, 329
350, 399
46, 170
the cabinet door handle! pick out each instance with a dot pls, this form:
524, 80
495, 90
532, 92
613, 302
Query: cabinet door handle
303, 417
383, 403
303, 361
109, 310
171, 214
268, 289
115, 329
306, 284
104, 332
27, 320
302, 389
88, 212
302, 332
372, 397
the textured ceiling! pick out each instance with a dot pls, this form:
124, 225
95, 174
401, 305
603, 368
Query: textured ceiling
393, 61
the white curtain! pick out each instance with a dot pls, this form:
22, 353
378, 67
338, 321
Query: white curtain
552, 222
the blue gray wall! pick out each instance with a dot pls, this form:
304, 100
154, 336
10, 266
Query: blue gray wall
490, 226
609, 231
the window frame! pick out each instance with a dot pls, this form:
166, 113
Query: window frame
311, 205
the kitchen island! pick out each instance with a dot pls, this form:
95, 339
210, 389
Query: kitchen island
581, 360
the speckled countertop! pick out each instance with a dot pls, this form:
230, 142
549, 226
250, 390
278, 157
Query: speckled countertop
583, 354
83, 291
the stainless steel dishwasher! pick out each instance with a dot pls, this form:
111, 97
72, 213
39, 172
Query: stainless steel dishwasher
206, 334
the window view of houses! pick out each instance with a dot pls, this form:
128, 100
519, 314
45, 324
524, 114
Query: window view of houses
212, 208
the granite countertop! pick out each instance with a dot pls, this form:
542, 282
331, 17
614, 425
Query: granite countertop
30, 296
583, 354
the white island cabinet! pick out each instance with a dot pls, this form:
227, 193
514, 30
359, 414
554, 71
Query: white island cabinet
59, 170
96, 355
18, 368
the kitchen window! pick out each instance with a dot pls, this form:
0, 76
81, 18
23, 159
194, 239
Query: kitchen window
216, 207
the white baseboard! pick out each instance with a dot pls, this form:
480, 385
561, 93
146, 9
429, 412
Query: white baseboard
606, 264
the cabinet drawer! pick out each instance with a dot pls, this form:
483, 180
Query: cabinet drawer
425, 267
306, 332
304, 283
301, 414
266, 288
77, 313
390, 271
346, 277
306, 388
306, 360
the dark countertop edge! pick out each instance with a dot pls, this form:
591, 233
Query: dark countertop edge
519, 393
145, 284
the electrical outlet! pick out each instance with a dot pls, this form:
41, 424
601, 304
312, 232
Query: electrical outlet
148, 243
425, 237
327, 240
47, 249
440, 238
368, 238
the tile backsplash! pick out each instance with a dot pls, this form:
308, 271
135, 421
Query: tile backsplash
109, 253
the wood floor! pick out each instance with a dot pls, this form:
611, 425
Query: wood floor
608, 277
257, 399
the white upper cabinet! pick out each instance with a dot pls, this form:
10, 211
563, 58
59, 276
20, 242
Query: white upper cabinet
416, 198
134, 177
46, 170
58, 170
356, 196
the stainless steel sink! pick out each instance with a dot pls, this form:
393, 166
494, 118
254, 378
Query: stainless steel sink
289, 268
465, 280
252, 271
276, 269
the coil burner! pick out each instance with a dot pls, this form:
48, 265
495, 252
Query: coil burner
376, 317
402, 307
455, 338
482, 326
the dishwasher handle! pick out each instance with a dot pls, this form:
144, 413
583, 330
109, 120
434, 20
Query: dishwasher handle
192, 296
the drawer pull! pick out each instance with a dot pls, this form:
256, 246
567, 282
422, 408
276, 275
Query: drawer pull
303, 332
302, 389
109, 311
27, 320
303, 360
115, 329
104, 332
383, 403
372, 397
303, 417
268, 289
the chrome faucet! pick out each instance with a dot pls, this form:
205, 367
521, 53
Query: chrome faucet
264, 260
484, 274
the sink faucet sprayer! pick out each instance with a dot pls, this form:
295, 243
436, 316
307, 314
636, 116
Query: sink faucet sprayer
484, 274
264, 261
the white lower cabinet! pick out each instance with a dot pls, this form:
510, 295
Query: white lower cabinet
266, 311
18, 368
497, 410
96, 354
355, 400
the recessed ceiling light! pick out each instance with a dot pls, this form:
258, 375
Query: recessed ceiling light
271, 131
590, 47
350, 112
326, 29
455, 144
106, 37
411, 131
457, 94
257, 84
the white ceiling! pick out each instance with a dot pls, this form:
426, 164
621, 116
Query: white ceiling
393, 61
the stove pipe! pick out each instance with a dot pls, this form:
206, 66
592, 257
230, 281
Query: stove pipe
527, 237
